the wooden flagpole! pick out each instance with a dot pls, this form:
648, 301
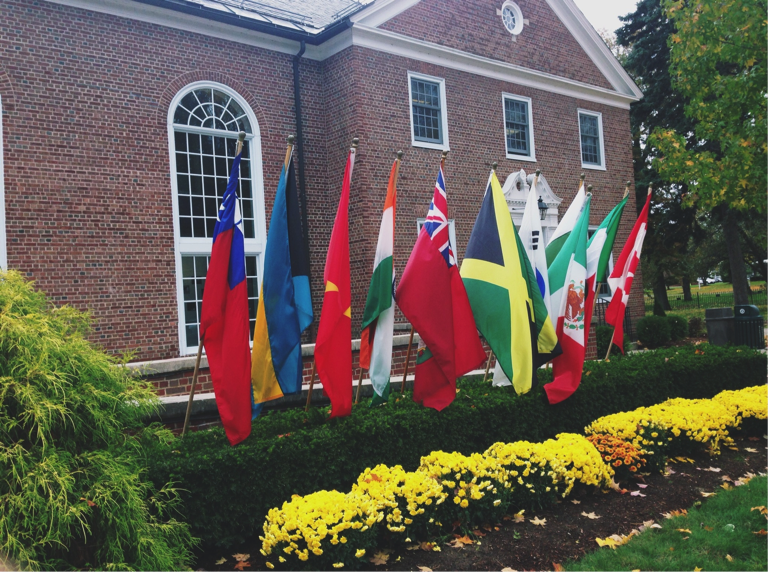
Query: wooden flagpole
397, 172
488, 366
240, 139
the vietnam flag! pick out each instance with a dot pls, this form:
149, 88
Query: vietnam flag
623, 273
333, 348
224, 317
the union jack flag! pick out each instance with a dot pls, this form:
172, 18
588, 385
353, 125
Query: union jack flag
436, 223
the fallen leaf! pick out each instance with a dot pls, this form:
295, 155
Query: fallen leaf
557, 567
733, 448
708, 528
642, 486
464, 539
590, 515
605, 542
479, 533
762, 509
670, 471
221, 561
655, 525
713, 469
726, 486
683, 530
636, 494
539, 521
379, 559
424, 569
508, 569
412, 547
750, 450
241, 557
760, 532
674, 513
726, 478
242, 565
90, 502
574, 501
705, 495
427, 546
518, 517
696, 569
729, 558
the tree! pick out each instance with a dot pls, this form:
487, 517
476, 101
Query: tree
718, 63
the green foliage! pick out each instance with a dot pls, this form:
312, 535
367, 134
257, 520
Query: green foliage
653, 331
228, 490
720, 538
73, 494
718, 62
696, 327
603, 338
678, 327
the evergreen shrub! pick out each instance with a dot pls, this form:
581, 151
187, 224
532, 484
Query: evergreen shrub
227, 490
695, 327
603, 338
654, 331
73, 493
678, 327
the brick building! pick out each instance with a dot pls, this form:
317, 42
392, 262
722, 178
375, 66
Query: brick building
119, 116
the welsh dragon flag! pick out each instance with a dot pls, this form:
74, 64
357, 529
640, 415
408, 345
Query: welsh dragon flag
568, 280
565, 228
379, 313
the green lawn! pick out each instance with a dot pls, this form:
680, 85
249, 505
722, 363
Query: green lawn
717, 535
688, 313
713, 288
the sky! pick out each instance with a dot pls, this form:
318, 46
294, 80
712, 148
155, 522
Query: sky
605, 13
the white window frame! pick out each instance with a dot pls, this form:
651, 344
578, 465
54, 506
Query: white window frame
451, 234
444, 146
202, 246
3, 242
532, 157
518, 17
601, 166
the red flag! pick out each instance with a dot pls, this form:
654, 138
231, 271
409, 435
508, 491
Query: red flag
333, 348
431, 295
623, 273
224, 317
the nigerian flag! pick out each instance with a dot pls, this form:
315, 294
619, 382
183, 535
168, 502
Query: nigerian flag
379, 313
564, 229
505, 297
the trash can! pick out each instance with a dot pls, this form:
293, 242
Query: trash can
748, 327
719, 326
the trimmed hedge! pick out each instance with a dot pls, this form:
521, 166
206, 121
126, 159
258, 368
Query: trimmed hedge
678, 327
230, 489
654, 331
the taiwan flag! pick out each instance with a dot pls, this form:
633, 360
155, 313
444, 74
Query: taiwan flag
224, 317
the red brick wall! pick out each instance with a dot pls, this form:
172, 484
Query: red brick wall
473, 26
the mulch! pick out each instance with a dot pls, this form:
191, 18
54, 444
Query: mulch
567, 534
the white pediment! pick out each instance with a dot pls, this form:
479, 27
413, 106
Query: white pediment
517, 186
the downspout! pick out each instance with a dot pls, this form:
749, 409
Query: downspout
300, 155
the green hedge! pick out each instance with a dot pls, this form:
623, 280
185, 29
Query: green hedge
230, 489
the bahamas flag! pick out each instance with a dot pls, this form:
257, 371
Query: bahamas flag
504, 294
285, 304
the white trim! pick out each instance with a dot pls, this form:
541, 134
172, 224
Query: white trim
532, 157
389, 42
444, 146
381, 11
3, 243
518, 17
594, 46
203, 246
601, 166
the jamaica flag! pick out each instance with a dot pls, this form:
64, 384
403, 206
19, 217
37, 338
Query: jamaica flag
505, 297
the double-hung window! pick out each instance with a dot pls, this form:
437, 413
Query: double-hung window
518, 127
429, 123
591, 135
204, 120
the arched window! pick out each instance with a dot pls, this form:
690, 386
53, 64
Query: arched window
203, 122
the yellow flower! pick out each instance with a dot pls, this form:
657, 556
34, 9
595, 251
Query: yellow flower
360, 553
464, 503
338, 565
270, 565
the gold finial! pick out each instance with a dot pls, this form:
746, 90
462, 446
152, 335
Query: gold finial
494, 165
589, 188
241, 136
538, 172
445, 155
355, 141
582, 177
399, 154
291, 139
650, 189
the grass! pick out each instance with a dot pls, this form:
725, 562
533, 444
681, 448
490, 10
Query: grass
689, 313
707, 546
718, 287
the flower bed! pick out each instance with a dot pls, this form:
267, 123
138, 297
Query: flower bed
451, 488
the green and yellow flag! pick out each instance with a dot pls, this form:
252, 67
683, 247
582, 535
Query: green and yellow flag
505, 297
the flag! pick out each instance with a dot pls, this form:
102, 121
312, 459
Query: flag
224, 321
285, 304
333, 348
505, 297
598, 256
568, 280
432, 297
379, 313
567, 224
623, 273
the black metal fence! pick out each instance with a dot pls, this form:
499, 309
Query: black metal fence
598, 318
757, 296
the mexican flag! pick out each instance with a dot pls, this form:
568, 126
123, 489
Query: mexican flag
564, 229
379, 313
568, 280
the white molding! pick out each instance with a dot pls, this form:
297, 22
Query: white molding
381, 11
532, 157
3, 242
519, 21
594, 46
444, 146
400, 45
203, 246
601, 166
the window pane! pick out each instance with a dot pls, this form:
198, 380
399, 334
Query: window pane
590, 139
253, 290
517, 128
427, 117
207, 144
185, 227
184, 208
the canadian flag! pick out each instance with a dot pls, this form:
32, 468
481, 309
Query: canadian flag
623, 273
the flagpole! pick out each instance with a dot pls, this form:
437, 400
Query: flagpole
240, 139
488, 366
407, 361
288, 151
359, 383
311, 386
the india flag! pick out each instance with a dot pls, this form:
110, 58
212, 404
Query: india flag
568, 280
564, 229
379, 313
